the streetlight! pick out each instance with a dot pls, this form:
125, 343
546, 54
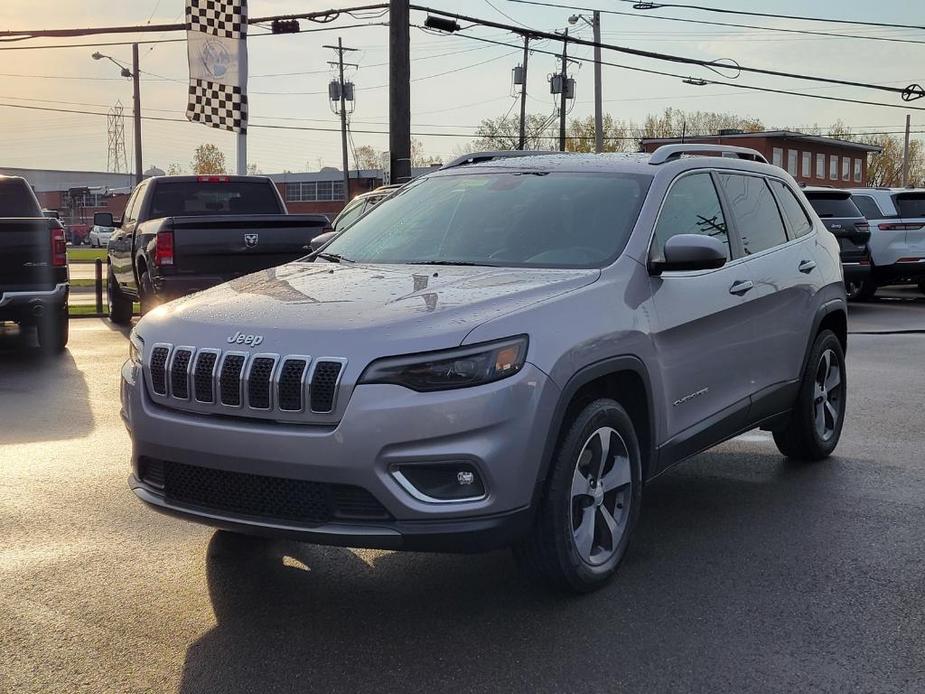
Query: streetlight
135, 74
595, 24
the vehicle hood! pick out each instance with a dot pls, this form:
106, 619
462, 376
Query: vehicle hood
331, 308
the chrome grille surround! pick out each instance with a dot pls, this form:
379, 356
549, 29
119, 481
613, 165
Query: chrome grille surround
231, 386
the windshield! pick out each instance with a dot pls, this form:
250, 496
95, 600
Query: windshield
192, 198
521, 219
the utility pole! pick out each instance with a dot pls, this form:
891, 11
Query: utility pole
598, 102
523, 96
906, 151
136, 105
564, 93
342, 97
399, 91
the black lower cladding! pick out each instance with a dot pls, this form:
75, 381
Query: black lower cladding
260, 496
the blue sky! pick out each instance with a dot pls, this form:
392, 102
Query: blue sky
453, 103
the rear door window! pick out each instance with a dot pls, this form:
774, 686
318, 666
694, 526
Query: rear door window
17, 199
757, 218
830, 206
910, 204
792, 210
691, 207
867, 206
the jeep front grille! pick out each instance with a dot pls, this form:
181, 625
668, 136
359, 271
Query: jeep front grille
265, 386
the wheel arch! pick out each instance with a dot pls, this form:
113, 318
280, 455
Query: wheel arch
624, 379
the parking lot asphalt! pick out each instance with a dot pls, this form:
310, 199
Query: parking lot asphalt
747, 574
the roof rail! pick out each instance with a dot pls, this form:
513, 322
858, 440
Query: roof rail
667, 153
478, 157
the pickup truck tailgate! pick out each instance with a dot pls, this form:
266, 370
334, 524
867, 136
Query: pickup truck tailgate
25, 254
231, 247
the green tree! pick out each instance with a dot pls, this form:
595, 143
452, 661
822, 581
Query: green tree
208, 159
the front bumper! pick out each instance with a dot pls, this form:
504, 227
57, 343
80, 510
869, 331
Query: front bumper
499, 429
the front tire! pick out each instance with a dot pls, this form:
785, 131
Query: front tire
120, 306
591, 502
819, 412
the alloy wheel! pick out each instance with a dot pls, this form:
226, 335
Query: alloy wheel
601, 494
827, 395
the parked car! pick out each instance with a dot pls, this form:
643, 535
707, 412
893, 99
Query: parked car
182, 234
77, 234
501, 355
33, 265
354, 209
99, 236
844, 220
897, 241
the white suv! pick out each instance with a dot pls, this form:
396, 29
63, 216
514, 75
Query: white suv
897, 235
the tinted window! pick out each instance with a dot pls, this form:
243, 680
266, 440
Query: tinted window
867, 206
792, 210
833, 206
193, 198
531, 219
692, 207
910, 204
350, 214
17, 200
756, 215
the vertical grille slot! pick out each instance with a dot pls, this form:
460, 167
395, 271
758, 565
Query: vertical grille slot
290, 384
179, 374
258, 383
230, 380
159, 369
202, 379
324, 385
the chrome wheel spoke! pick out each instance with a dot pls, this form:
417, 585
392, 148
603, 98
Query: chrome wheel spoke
820, 419
618, 475
833, 380
584, 533
603, 437
611, 528
833, 415
581, 485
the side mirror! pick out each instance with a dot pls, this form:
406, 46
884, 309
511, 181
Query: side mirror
321, 239
690, 252
103, 219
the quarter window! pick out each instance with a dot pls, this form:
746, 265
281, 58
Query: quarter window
867, 206
757, 218
792, 210
692, 207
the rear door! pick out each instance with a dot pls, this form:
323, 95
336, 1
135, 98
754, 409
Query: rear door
784, 270
703, 333
25, 239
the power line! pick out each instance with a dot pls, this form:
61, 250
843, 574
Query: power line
701, 82
722, 24
719, 10
909, 93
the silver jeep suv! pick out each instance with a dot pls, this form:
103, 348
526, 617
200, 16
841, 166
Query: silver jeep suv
502, 355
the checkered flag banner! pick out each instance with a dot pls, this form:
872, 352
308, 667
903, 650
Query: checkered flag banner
216, 34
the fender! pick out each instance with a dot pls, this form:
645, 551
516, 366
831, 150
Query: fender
824, 310
591, 372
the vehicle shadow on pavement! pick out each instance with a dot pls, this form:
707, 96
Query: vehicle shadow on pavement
42, 397
734, 555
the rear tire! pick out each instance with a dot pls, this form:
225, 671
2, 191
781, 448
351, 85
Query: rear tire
591, 503
146, 295
120, 306
819, 411
53, 330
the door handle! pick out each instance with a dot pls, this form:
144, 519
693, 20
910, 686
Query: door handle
741, 287
807, 266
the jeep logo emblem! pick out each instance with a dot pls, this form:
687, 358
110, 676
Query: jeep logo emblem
250, 240
240, 338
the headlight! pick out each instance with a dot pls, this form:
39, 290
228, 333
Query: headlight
455, 368
135, 347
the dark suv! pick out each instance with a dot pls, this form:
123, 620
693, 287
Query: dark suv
842, 217
502, 354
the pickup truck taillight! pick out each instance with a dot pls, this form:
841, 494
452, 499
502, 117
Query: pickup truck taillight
58, 246
163, 250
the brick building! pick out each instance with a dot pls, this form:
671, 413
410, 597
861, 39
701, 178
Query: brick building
99, 191
810, 159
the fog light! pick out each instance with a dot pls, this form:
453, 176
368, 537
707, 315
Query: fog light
444, 482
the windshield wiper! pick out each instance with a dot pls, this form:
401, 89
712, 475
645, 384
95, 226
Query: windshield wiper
333, 257
450, 262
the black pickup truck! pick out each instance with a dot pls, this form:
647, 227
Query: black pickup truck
182, 234
33, 265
